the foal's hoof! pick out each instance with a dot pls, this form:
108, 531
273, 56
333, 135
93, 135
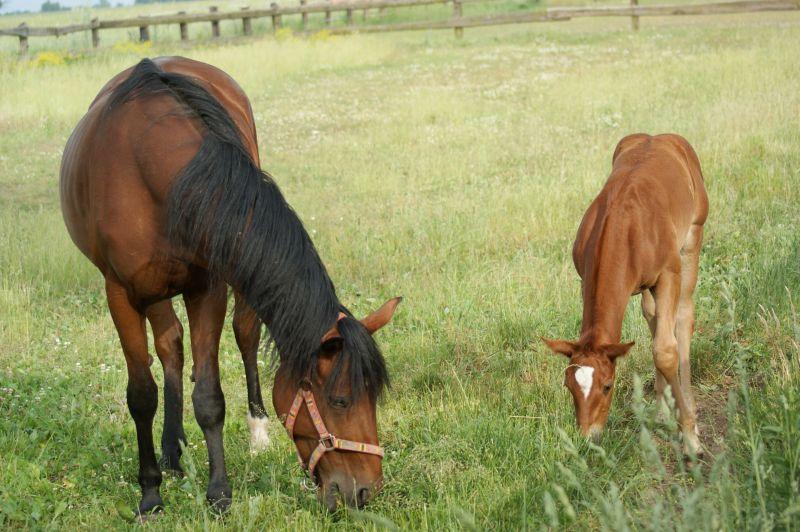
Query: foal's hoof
219, 505
693, 458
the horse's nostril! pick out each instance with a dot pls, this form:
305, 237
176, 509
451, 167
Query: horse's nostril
331, 497
362, 497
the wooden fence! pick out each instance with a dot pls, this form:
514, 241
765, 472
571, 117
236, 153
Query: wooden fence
458, 22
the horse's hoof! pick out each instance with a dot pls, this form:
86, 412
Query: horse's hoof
219, 505
147, 518
259, 434
171, 464
149, 509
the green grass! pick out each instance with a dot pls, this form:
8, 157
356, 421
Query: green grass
453, 173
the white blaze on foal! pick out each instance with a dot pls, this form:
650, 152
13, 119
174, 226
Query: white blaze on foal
584, 375
259, 433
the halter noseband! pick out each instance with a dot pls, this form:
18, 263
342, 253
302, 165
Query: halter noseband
327, 441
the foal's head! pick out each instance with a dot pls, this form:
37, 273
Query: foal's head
344, 378
590, 379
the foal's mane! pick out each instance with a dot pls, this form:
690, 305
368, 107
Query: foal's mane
224, 208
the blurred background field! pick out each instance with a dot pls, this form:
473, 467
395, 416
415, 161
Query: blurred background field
454, 173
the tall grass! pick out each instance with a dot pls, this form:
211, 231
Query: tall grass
455, 174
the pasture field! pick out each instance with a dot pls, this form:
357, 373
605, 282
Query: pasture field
232, 29
454, 173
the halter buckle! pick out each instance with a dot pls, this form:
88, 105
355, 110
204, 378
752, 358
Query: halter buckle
328, 442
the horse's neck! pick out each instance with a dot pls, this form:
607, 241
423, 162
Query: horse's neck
606, 289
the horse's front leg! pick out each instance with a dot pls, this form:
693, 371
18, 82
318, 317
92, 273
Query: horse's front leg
247, 329
205, 307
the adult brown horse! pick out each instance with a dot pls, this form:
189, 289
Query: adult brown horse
642, 234
161, 189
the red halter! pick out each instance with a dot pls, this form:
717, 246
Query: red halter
327, 441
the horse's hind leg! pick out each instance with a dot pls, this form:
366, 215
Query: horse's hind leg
247, 329
142, 391
168, 336
205, 307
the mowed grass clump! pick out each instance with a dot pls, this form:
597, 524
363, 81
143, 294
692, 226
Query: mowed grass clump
454, 174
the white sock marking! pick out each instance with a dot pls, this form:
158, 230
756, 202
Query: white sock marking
259, 433
584, 377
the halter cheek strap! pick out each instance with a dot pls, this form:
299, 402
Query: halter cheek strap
327, 441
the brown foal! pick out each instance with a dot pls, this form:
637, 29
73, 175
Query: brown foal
161, 189
642, 234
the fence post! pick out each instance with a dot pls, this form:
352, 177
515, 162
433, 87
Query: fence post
144, 33
457, 15
634, 18
304, 15
95, 33
276, 18
247, 27
184, 28
23, 39
328, 12
214, 23
349, 16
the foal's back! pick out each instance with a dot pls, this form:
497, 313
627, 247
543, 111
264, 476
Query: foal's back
654, 194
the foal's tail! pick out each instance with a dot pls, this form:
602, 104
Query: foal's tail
223, 207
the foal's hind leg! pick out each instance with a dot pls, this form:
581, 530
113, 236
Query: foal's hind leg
247, 329
205, 307
684, 324
168, 336
142, 391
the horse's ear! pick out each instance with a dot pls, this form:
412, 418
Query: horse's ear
562, 347
382, 316
613, 351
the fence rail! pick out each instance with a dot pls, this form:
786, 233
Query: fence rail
458, 22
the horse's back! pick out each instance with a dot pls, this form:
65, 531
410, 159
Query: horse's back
118, 167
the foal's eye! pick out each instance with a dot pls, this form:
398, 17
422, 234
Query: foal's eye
607, 388
339, 402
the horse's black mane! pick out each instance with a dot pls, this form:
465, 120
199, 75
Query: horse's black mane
225, 208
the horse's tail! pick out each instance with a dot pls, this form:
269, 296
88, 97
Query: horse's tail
225, 209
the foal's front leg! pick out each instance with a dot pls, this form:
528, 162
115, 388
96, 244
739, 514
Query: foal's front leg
665, 355
205, 308
649, 313
142, 393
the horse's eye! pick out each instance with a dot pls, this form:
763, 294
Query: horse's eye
607, 388
339, 402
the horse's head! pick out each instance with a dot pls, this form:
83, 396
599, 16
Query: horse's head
590, 379
330, 413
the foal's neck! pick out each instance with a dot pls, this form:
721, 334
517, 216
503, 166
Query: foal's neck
608, 282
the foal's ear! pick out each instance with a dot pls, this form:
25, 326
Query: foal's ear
562, 347
382, 316
613, 351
